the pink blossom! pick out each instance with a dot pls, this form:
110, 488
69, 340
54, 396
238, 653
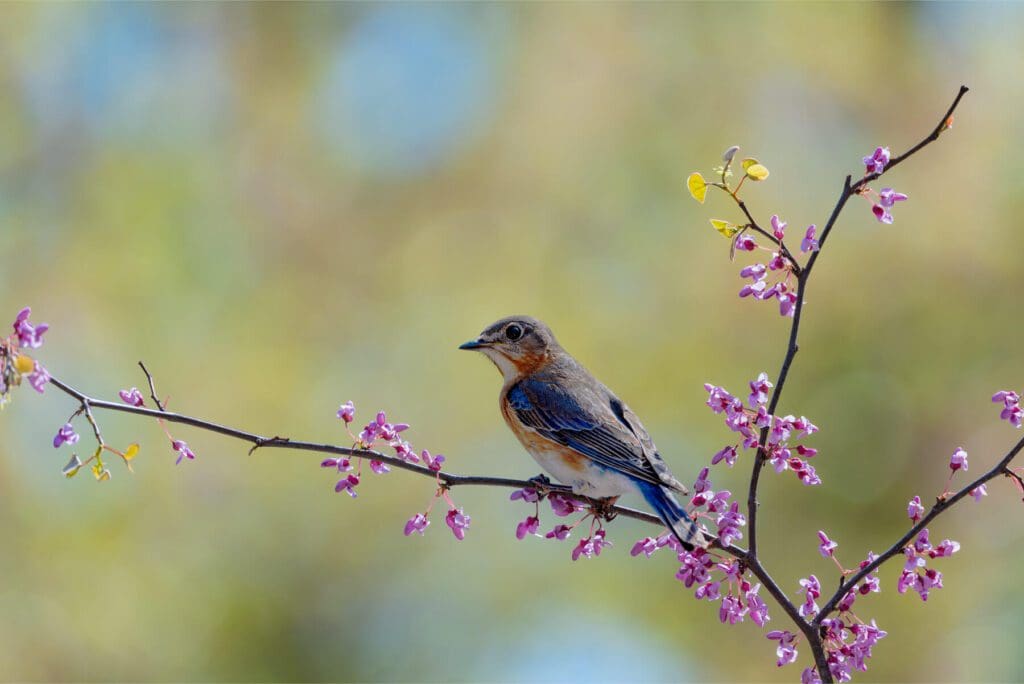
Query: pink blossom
709, 590
563, 505
527, 527
525, 495
66, 435
719, 502
696, 566
958, 461
811, 590
826, 546
787, 302
778, 227
38, 377
458, 521
785, 651
877, 160
718, 399
28, 335
183, 451
433, 462
132, 397
846, 603
810, 242
348, 485
589, 547
646, 546
754, 271
560, 532
915, 509
729, 524
745, 243
810, 676
417, 523
871, 582
945, 549
731, 610
728, 454
379, 467
347, 412
758, 608
979, 492
1012, 411
887, 198
341, 463
760, 389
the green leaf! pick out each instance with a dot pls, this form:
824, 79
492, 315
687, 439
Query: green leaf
725, 228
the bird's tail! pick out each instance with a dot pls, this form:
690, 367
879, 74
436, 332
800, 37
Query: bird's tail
664, 503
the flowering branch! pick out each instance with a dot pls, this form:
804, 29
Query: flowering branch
802, 278
942, 504
723, 572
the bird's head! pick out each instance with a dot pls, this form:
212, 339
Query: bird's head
517, 345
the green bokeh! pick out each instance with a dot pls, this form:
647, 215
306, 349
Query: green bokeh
197, 186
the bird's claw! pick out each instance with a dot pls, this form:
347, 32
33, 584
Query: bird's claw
541, 483
605, 508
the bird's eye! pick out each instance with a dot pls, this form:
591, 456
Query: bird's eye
513, 332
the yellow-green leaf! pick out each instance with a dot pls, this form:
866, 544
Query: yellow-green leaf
104, 476
131, 452
725, 228
748, 162
697, 186
757, 172
24, 364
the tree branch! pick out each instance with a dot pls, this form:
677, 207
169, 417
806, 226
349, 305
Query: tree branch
941, 505
848, 191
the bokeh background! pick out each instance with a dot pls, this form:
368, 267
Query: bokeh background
282, 207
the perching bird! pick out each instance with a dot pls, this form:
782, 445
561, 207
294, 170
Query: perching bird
575, 427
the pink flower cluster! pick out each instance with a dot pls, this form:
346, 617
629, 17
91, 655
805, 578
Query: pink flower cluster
749, 421
380, 430
716, 506
714, 578
562, 506
15, 365
848, 644
782, 287
1012, 411
916, 575
736, 595
885, 200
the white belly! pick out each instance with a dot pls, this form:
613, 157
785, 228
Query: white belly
593, 481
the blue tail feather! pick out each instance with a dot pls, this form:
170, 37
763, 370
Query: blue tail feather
675, 517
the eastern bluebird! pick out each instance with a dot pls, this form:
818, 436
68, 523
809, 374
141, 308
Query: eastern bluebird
575, 427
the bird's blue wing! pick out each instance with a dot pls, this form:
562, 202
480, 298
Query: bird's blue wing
584, 422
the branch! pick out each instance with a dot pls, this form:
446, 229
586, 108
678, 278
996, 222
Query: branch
941, 505
810, 630
849, 190
258, 442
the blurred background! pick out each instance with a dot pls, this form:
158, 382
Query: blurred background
283, 207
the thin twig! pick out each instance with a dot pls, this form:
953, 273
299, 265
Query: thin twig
152, 387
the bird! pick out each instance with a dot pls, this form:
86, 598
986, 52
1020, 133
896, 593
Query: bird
577, 429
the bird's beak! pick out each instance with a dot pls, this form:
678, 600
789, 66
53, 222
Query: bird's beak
474, 345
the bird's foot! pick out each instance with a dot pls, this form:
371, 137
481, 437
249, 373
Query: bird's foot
541, 483
605, 508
